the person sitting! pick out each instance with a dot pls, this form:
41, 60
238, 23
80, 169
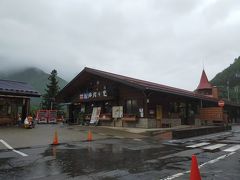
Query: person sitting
28, 122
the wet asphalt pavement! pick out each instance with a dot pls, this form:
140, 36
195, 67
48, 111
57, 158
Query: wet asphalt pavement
114, 155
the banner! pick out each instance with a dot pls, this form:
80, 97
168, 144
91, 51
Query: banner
95, 115
117, 111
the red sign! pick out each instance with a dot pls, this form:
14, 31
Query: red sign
221, 103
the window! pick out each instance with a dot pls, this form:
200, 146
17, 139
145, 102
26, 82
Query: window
174, 107
131, 106
5, 108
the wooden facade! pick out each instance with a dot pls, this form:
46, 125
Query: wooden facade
145, 104
11, 107
15, 101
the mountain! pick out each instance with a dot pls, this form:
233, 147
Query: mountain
35, 77
228, 81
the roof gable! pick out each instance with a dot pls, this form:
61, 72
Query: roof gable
132, 82
204, 83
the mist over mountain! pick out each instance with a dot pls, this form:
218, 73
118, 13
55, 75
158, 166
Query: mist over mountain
34, 76
228, 80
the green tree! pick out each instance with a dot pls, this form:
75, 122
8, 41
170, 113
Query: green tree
51, 90
228, 81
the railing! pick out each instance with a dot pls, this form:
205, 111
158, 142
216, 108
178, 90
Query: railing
105, 117
102, 117
129, 117
108, 117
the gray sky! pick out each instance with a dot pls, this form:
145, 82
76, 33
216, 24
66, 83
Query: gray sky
164, 41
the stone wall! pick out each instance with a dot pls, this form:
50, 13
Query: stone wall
143, 123
118, 123
146, 123
129, 124
198, 122
106, 123
171, 122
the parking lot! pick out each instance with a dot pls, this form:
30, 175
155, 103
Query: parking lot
113, 154
43, 134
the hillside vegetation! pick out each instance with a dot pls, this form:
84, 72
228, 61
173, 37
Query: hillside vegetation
35, 77
229, 81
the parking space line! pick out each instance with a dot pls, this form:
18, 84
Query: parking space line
198, 145
202, 165
119, 137
19, 152
213, 147
232, 149
11, 148
217, 159
102, 134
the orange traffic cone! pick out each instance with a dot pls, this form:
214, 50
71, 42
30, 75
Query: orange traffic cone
89, 138
195, 173
55, 140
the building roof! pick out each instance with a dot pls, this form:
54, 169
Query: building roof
204, 83
73, 86
17, 88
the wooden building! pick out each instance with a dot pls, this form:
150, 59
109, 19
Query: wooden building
141, 103
15, 100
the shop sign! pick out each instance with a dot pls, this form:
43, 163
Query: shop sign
95, 115
151, 112
117, 111
94, 94
141, 112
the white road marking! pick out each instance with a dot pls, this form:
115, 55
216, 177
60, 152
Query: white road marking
217, 159
102, 134
19, 152
232, 149
176, 175
202, 165
136, 139
198, 145
213, 147
6, 144
11, 148
119, 137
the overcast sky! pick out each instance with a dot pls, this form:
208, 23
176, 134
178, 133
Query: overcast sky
164, 41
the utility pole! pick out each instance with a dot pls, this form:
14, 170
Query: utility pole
228, 90
236, 90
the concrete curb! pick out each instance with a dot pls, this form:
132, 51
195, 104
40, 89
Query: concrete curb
186, 133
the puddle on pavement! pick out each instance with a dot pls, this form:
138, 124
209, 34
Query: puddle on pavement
109, 157
92, 158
